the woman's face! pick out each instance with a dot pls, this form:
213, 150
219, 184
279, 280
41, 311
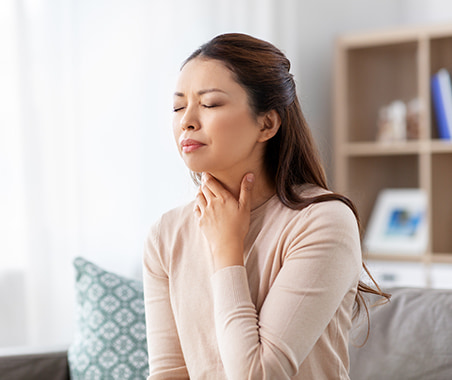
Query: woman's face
214, 126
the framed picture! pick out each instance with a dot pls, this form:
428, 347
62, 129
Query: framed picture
398, 224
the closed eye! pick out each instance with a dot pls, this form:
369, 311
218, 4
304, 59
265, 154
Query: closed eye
176, 109
210, 106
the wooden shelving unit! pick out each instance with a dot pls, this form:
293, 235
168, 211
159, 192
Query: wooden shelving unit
372, 70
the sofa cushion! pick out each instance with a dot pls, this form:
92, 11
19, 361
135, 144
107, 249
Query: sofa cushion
410, 338
110, 336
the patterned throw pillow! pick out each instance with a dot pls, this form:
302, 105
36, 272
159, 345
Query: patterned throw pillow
110, 335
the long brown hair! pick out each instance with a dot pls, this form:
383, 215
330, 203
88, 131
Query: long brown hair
291, 157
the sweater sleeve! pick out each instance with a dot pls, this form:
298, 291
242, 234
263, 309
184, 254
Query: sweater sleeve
321, 264
166, 360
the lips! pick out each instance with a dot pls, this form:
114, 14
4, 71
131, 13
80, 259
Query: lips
189, 145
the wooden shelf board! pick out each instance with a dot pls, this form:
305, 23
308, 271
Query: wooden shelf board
441, 146
395, 257
440, 31
409, 147
445, 258
395, 35
377, 149
379, 38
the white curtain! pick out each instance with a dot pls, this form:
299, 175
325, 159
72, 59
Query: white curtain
39, 218
87, 160
86, 152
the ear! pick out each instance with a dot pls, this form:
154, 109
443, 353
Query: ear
270, 124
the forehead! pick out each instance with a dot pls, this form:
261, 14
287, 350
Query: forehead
200, 73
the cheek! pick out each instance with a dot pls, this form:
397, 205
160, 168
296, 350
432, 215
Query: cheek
238, 128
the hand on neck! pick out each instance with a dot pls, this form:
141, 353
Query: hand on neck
263, 188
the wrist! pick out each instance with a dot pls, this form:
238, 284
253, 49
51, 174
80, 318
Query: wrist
228, 255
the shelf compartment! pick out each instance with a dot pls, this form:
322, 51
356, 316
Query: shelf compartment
376, 77
441, 201
367, 176
440, 54
440, 57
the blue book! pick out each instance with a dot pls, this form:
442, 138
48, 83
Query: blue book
442, 103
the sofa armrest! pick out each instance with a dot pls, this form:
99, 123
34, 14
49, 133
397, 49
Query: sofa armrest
51, 365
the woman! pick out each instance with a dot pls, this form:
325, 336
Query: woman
258, 277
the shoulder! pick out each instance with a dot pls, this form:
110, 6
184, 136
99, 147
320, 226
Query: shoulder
167, 235
329, 219
172, 222
328, 227
178, 216
332, 208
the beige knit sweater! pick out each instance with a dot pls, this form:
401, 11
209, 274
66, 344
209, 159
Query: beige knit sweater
285, 315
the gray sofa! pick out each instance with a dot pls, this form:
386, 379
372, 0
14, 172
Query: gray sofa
51, 365
411, 338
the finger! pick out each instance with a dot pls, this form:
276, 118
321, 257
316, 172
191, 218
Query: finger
207, 193
197, 211
245, 191
214, 186
200, 201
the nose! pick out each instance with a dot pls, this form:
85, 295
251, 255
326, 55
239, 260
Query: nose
190, 120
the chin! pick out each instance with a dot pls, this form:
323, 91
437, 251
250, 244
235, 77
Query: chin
196, 165
196, 168
211, 166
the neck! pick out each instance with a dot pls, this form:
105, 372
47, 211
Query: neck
263, 188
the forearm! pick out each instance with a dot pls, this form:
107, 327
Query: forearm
166, 360
245, 351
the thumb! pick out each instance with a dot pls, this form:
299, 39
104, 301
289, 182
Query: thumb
245, 191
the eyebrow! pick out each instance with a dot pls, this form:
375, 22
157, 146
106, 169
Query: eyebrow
201, 92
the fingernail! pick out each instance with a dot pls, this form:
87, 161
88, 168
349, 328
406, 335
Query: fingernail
250, 177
